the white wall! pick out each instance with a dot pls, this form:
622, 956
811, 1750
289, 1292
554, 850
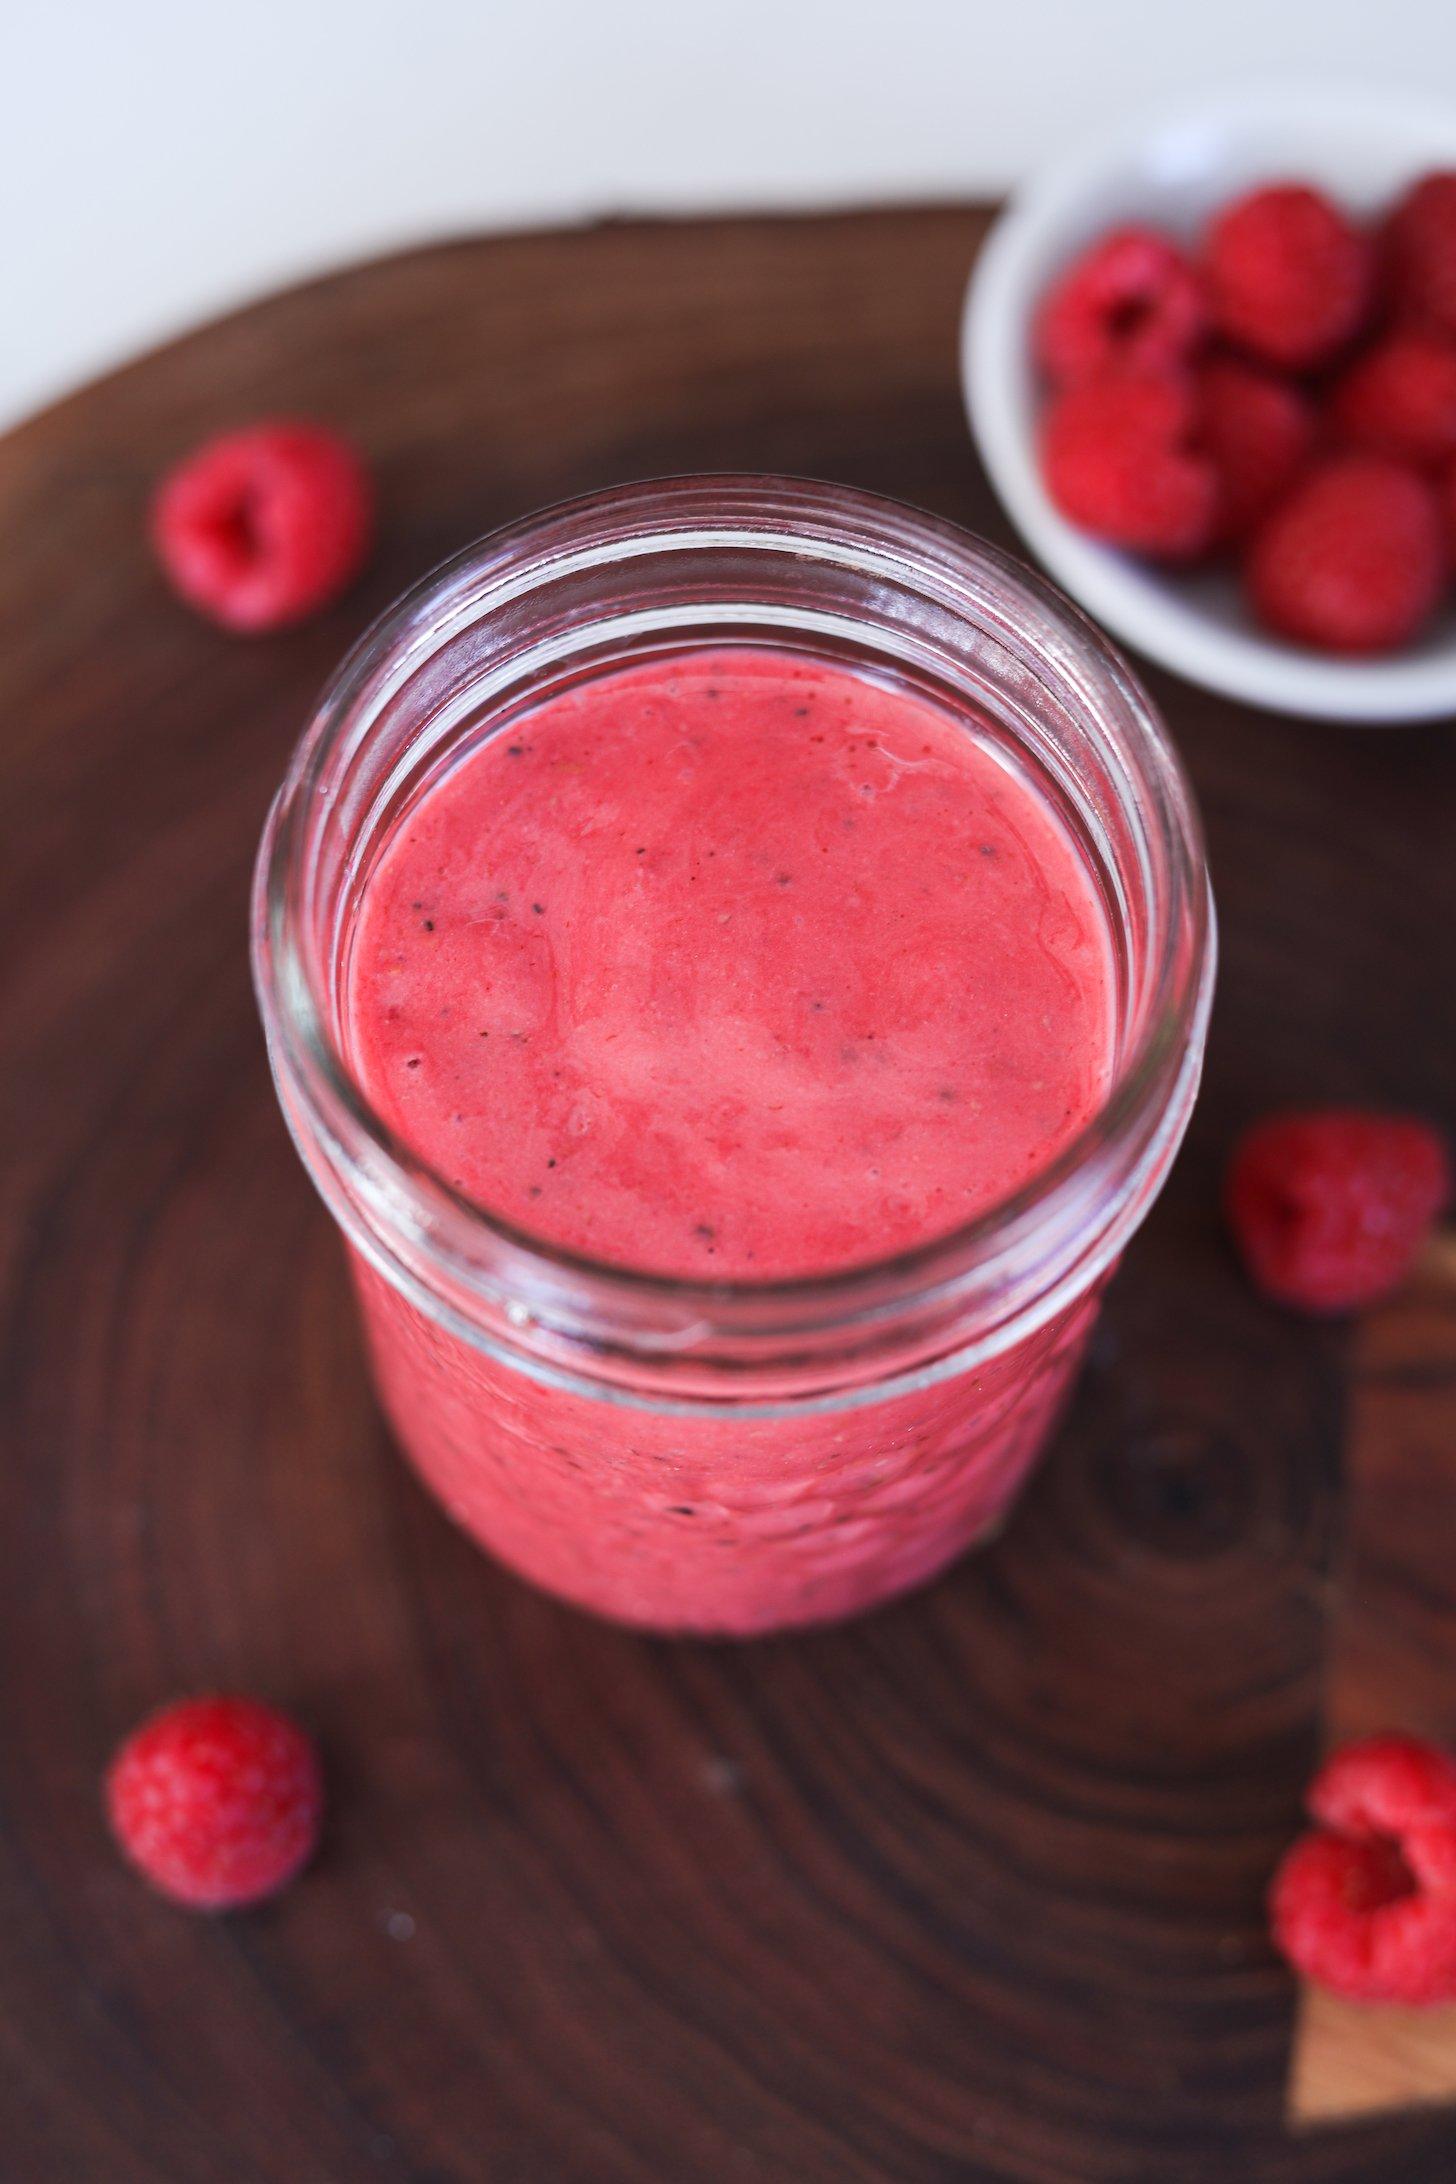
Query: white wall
162, 159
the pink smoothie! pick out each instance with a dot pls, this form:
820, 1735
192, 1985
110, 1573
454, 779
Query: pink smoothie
736, 965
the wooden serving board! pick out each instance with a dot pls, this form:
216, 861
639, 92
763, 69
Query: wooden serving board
969, 1890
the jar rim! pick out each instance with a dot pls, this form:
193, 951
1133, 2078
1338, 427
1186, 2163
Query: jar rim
1126, 1145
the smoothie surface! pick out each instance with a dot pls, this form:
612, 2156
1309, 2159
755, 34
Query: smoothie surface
733, 964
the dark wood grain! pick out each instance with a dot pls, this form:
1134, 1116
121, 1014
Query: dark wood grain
970, 1890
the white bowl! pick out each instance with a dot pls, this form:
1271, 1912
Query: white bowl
1363, 149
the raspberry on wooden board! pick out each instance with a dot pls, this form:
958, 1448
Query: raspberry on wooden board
217, 1801
262, 527
1364, 1905
1330, 1206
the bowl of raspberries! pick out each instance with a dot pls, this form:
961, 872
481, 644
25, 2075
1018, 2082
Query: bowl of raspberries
1211, 370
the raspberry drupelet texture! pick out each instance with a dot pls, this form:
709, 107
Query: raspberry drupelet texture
1259, 431
1289, 276
218, 1801
1365, 1903
1419, 247
1330, 1207
1120, 460
262, 527
1353, 560
1130, 300
1399, 398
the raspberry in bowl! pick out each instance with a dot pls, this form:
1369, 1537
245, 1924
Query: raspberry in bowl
1241, 264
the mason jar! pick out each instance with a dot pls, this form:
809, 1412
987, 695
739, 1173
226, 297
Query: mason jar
731, 1456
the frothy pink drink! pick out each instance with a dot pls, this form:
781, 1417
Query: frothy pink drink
738, 965
735, 955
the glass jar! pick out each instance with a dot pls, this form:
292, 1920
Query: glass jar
731, 1457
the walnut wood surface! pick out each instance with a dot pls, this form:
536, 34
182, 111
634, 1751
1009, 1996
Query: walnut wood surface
970, 1890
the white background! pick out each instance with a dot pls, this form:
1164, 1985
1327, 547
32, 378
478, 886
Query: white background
161, 160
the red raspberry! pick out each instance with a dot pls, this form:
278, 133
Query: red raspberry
1289, 276
1399, 398
262, 527
1420, 252
1329, 1208
1259, 430
1131, 300
1365, 1905
217, 1801
1448, 510
1119, 460
1353, 560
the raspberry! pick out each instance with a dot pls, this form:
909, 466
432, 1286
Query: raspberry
1399, 398
1329, 1208
1289, 276
1131, 300
217, 1801
1119, 460
1388, 1785
1365, 1904
262, 527
1448, 511
1259, 431
1353, 560
1420, 252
